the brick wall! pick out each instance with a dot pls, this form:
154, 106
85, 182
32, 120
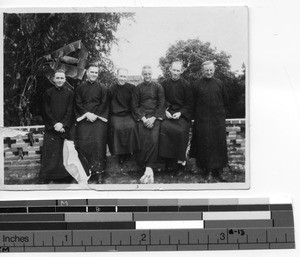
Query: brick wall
22, 153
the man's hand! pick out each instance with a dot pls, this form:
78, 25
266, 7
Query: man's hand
62, 130
91, 116
58, 126
169, 115
147, 122
152, 120
176, 115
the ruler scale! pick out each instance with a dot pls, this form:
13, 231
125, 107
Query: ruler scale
83, 225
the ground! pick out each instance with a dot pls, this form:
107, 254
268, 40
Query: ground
25, 171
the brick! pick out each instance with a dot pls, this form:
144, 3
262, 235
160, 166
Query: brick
19, 145
31, 153
231, 137
237, 121
240, 141
31, 148
241, 150
23, 167
233, 129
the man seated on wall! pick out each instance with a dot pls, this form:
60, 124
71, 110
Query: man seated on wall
148, 102
91, 110
175, 129
123, 137
58, 119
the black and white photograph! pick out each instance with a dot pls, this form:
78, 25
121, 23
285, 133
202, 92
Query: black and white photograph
125, 98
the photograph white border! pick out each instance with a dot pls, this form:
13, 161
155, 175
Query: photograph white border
133, 187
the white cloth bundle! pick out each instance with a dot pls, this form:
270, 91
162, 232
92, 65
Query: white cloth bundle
73, 164
148, 177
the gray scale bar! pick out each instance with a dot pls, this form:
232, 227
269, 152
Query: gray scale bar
283, 218
40, 249
162, 202
254, 246
192, 247
13, 249
237, 223
132, 202
70, 249
131, 248
161, 248
102, 202
101, 249
148, 216
72, 202
32, 217
28, 203
282, 246
223, 247
98, 217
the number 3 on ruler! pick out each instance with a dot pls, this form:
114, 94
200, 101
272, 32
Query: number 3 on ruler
222, 236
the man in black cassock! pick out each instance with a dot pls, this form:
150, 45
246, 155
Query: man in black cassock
123, 137
148, 110
58, 119
209, 131
91, 110
175, 129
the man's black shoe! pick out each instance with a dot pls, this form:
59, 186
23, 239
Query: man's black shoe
170, 166
180, 169
217, 175
93, 179
97, 178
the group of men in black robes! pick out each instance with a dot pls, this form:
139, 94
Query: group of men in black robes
149, 119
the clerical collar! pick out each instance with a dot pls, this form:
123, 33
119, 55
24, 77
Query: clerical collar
175, 80
147, 83
58, 88
91, 82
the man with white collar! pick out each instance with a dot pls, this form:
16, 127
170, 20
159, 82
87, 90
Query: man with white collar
175, 129
123, 138
58, 118
148, 110
91, 110
208, 144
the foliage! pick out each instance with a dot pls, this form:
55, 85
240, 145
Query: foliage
193, 53
29, 37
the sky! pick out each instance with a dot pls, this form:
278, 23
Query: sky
147, 38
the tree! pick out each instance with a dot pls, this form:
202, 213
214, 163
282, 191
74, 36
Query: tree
193, 53
29, 37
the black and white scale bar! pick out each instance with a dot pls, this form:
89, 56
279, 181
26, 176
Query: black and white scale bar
147, 240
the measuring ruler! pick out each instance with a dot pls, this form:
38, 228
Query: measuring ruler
84, 225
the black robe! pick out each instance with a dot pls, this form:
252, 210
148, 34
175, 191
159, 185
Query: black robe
209, 131
122, 135
174, 134
58, 107
91, 137
148, 100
